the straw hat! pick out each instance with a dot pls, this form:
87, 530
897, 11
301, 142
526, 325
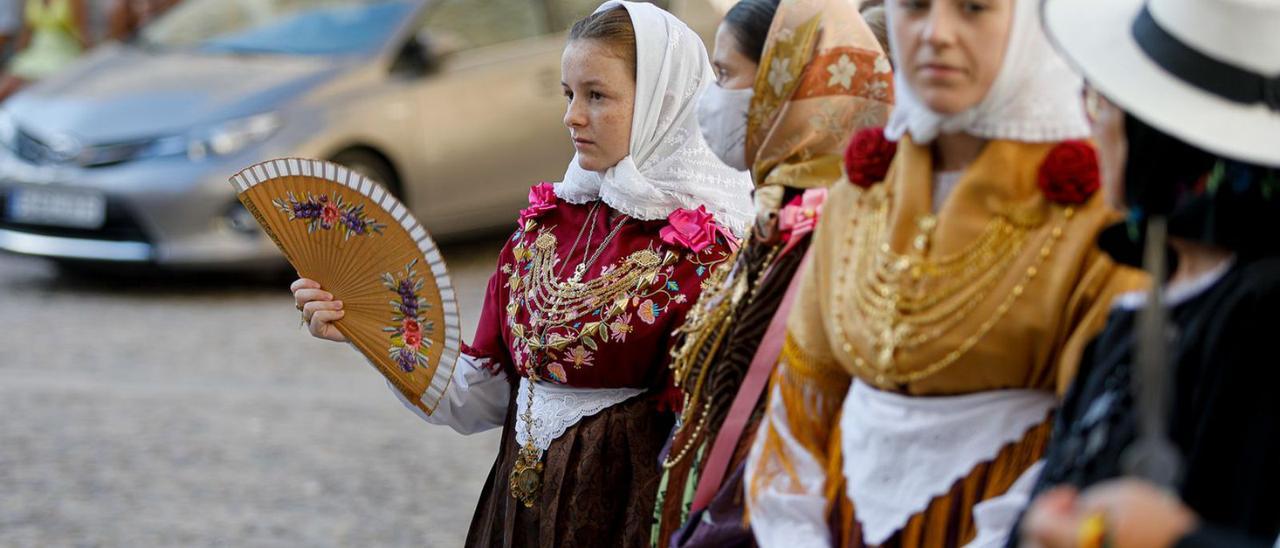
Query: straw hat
1204, 71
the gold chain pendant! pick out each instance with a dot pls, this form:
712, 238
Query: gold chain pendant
901, 302
526, 475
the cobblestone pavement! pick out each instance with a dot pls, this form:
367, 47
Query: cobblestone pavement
195, 412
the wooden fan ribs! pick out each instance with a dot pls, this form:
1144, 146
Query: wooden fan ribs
410, 333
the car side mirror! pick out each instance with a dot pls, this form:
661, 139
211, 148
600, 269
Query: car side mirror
425, 54
414, 59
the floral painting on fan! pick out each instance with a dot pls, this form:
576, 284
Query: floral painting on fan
408, 345
322, 213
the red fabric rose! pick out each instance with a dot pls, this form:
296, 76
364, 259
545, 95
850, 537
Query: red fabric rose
412, 333
867, 159
1069, 174
694, 229
542, 198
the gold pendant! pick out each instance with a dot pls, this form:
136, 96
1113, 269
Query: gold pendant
579, 271
892, 337
526, 475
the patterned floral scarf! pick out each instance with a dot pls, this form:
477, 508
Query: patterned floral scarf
822, 77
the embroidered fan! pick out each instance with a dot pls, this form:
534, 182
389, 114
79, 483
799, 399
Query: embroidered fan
363, 246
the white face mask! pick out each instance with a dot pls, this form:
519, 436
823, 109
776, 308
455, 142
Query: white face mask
722, 115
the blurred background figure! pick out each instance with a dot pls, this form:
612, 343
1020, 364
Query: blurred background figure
127, 17
1178, 388
53, 36
10, 25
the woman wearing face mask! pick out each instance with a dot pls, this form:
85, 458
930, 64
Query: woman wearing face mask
954, 281
821, 77
570, 355
1202, 161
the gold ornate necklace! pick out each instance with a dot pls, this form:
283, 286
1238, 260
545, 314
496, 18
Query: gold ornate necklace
904, 302
556, 303
705, 331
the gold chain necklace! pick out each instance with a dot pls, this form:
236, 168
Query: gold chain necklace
906, 301
581, 270
562, 300
709, 330
591, 224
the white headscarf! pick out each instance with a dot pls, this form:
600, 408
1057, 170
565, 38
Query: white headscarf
670, 165
1035, 97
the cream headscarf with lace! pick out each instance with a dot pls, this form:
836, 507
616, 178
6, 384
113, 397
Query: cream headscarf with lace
669, 165
1035, 97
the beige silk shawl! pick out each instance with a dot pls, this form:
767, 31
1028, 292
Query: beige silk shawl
822, 78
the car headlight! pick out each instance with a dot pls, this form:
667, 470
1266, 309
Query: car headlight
234, 136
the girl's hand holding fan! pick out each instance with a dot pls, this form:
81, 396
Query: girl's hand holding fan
370, 273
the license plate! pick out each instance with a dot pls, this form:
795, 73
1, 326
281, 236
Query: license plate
57, 207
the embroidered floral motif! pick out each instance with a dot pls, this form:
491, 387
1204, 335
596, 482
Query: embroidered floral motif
580, 357
568, 321
1069, 174
648, 311
883, 66
842, 72
780, 75
409, 325
556, 373
877, 90
846, 71
321, 212
621, 327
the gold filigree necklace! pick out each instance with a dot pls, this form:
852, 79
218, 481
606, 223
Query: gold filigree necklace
525, 480
903, 302
705, 332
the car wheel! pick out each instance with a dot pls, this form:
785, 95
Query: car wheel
371, 166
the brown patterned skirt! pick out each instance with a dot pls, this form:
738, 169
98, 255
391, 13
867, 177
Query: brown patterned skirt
599, 483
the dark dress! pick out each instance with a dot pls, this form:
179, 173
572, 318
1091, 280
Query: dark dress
600, 481
600, 476
1225, 414
769, 271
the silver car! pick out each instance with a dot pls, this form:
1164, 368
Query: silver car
455, 105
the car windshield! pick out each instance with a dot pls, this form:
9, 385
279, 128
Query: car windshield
291, 27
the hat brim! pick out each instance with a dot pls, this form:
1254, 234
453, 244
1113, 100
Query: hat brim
1097, 37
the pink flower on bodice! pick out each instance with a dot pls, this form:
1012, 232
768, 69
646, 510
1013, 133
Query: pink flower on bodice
800, 215
542, 198
694, 229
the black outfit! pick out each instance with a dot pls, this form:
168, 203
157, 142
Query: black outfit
1215, 537
1225, 410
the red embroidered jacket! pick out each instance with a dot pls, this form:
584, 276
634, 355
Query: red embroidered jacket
611, 328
